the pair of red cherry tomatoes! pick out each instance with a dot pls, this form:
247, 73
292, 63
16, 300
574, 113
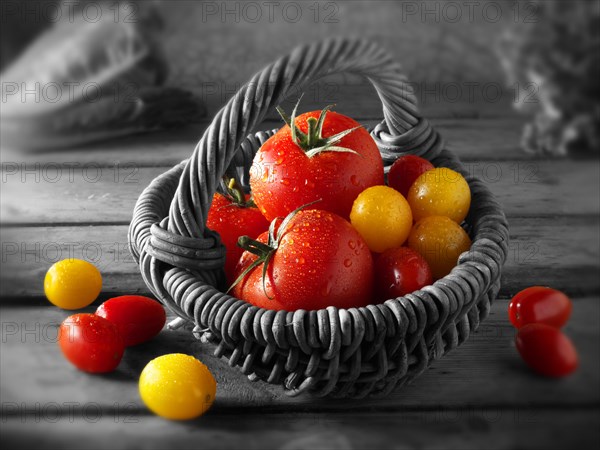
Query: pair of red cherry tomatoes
96, 342
538, 313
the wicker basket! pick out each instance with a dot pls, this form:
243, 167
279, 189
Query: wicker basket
343, 353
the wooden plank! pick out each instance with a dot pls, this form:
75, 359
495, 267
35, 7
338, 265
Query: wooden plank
471, 140
562, 252
464, 429
485, 371
493, 429
94, 194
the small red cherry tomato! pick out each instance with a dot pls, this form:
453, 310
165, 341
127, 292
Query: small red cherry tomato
547, 350
399, 271
232, 219
91, 343
538, 304
138, 318
405, 171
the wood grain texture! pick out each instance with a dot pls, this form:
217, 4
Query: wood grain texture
93, 194
485, 372
464, 429
471, 140
562, 252
469, 429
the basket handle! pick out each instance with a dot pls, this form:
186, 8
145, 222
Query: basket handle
402, 131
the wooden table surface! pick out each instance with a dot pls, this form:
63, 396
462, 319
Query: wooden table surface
78, 203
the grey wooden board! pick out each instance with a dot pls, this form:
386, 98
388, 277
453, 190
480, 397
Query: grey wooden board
471, 428
562, 252
482, 139
107, 194
463, 429
485, 371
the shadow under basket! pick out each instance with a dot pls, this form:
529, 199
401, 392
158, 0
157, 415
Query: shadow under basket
338, 352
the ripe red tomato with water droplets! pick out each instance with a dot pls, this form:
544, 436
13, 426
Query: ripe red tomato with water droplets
400, 271
405, 171
138, 318
286, 175
232, 220
91, 343
319, 261
539, 304
546, 350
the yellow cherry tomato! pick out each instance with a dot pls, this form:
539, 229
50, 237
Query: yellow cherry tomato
382, 216
177, 387
440, 192
72, 283
440, 241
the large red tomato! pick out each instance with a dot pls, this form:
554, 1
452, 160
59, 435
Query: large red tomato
314, 261
296, 167
232, 218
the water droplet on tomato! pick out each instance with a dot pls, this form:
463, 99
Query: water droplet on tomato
354, 180
326, 288
347, 262
300, 260
285, 181
352, 244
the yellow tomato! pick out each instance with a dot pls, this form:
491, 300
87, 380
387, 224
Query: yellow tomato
382, 216
72, 283
440, 192
177, 387
440, 241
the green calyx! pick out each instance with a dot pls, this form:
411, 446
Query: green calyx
234, 193
313, 142
266, 251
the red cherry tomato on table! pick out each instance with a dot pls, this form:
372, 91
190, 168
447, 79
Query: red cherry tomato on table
285, 174
138, 318
538, 304
400, 271
405, 171
91, 343
231, 220
319, 261
547, 350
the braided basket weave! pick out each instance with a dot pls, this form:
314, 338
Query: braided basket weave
343, 353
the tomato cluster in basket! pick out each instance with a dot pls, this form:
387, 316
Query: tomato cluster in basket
322, 228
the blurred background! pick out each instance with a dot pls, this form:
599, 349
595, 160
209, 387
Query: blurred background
190, 56
99, 98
